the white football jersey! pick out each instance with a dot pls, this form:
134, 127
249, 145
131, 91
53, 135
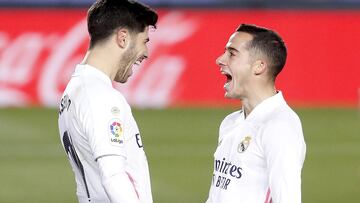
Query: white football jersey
95, 121
259, 158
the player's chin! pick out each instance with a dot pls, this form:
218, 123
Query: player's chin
125, 80
121, 80
230, 95
227, 95
227, 90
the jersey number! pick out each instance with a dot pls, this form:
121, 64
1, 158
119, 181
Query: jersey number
70, 151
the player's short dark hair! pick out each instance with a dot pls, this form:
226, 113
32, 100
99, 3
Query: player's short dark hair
106, 16
268, 43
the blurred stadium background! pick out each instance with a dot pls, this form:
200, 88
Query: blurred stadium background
177, 95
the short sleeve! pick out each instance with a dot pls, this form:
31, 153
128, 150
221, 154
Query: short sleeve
284, 150
106, 126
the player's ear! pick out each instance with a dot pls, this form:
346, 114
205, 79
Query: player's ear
259, 67
122, 38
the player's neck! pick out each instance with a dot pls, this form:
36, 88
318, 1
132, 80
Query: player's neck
100, 60
256, 97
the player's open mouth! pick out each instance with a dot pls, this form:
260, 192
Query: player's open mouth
139, 60
228, 78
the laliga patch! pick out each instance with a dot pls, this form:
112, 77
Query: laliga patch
244, 144
116, 133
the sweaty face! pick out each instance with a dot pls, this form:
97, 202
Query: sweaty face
235, 65
136, 52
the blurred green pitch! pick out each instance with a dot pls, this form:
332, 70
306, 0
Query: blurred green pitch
179, 144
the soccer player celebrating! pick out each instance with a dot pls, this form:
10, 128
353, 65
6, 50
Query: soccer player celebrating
261, 148
97, 128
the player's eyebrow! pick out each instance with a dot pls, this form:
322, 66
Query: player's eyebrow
231, 49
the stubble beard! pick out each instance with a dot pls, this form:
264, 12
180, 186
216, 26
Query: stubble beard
126, 63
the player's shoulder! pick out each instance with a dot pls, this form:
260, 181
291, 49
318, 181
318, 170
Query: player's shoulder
284, 128
284, 115
284, 121
105, 98
96, 89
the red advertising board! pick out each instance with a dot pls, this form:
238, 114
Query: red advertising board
39, 49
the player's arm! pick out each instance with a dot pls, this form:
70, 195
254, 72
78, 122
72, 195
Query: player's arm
107, 126
284, 150
116, 182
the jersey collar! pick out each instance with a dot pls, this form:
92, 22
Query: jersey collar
266, 107
91, 70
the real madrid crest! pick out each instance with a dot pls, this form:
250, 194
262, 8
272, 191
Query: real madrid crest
244, 144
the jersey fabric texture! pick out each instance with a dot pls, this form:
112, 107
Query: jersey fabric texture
95, 121
259, 158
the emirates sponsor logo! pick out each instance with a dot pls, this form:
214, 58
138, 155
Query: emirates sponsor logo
224, 173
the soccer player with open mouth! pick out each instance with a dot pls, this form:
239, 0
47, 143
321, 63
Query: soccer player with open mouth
261, 147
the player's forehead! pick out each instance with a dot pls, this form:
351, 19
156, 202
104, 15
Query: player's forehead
238, 41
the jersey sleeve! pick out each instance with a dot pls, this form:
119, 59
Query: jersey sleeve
284, 150
116, 181
107, 126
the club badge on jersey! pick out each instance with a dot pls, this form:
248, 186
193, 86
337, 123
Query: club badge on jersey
244, 144
116, 133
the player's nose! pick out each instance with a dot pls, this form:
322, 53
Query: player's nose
220, 60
